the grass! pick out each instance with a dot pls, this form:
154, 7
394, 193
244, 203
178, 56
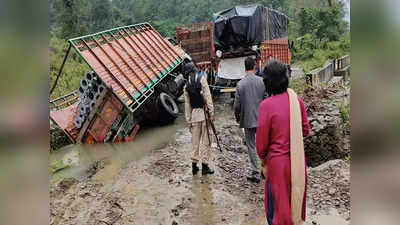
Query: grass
298, 85
311, 53
345, 113
57, 166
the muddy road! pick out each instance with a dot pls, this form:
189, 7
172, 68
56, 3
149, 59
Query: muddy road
149, 181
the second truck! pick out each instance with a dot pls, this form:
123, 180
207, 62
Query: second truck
221, 45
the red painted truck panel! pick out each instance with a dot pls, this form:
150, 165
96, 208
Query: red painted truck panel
277, 48
64, 118
103, 120
197, 40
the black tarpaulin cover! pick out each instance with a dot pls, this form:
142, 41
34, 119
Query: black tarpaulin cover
247, 25
277, 25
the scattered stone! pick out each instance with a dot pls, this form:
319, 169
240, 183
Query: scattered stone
175, 212
332, 191
329, 188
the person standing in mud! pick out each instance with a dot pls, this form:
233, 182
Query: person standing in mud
250, 91
197, 92
282, 124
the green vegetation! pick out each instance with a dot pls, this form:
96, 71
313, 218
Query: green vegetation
299, 86
320, 34
74, 69
345, 113
57, 166
312, 53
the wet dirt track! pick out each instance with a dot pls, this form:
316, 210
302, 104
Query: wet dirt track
159, 188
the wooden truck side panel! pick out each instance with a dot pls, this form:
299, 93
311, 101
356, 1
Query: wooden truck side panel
102, 120
277, 48
197, 40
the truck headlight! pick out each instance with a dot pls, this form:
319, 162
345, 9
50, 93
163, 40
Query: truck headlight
218, 53
254, 47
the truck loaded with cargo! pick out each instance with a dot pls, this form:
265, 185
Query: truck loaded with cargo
234, 34
135, 80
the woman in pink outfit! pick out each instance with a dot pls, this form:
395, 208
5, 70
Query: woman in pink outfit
273, 144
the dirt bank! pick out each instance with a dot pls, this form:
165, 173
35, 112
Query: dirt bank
159, 188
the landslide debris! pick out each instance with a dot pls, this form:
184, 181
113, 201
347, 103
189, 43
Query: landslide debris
328, 139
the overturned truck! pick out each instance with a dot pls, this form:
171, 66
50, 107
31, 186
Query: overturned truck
135, 79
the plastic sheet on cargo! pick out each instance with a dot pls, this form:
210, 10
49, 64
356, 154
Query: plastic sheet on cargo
248, 25
240, 25
232, 69
277, 24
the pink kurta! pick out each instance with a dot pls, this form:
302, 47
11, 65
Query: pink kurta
273, 144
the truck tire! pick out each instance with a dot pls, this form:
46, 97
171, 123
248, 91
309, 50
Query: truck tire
180, 83
168, 108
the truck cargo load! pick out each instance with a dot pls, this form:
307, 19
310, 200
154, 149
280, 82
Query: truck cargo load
222, 44
248, 25
240, 26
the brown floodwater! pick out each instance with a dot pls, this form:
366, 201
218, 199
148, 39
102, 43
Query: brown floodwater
81, 157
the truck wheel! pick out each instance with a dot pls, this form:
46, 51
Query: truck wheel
168, 108
180, 83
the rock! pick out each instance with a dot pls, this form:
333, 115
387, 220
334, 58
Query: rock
329, 187
83, 194
175, 212
332, 191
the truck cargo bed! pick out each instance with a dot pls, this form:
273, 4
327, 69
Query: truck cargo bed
131, 60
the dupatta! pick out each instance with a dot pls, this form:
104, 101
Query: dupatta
297, 160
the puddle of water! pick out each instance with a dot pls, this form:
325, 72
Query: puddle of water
203, 201
258, 221
80, 157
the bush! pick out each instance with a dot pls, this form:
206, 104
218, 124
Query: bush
311, 52
75, 67
345, 114
324, 35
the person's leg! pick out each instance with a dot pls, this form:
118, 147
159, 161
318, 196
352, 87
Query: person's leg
196, 135
279, 177
205, 148
269, 203
250, 134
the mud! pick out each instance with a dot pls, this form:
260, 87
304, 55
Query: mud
158, 188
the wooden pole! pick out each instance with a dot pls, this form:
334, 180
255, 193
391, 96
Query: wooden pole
61, 68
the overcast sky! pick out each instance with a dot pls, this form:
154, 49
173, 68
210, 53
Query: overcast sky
347, 5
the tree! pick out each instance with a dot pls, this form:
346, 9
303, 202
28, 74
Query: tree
325, 22
71, 17
102, 18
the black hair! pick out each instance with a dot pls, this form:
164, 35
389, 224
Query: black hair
275, 77
189, 69
249, 63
